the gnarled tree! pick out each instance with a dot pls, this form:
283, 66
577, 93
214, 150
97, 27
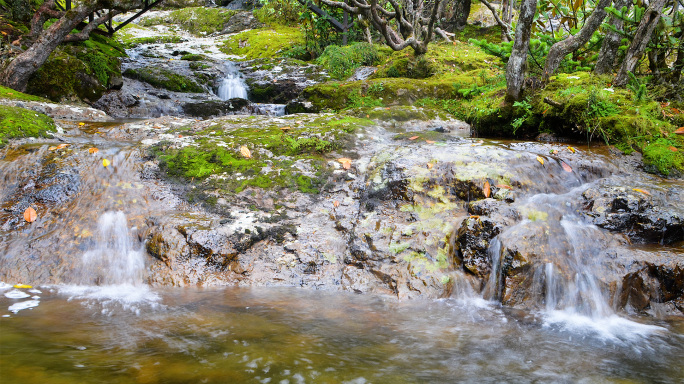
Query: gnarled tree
611, 43
517, 62
43, 41
404, 23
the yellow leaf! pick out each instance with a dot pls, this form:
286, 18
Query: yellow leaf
81, 124
346, 163
106, 162
571, 149
487, 190
430, 165
245, 152
540, 159
93, 150
642, 191
30, 215
23, 286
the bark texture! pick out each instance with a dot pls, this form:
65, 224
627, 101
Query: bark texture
562, 48
641, 38
517, 63
415, 20
609, 49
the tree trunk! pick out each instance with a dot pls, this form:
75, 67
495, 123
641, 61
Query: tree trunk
559, 50
641, 38
506, 11
16, 75
609, 49
679, 63
461, 13
517, 63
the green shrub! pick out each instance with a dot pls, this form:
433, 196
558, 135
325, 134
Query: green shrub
342, 61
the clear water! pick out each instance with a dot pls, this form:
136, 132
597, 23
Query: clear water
289, 335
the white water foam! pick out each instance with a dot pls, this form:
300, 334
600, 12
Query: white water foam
16, 307
16, 294
232, 86
611, 328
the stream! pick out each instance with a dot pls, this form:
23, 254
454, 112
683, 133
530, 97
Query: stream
449, 259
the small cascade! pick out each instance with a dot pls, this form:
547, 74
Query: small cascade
232, 86
114, 259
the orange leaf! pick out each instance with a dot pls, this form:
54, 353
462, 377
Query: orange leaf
504, 186
285, 129
93, 150
245, 152
430, 165
429, 141
642, 191
566, 167
487, 190
680, 131
346, 163
52, 148
30, 215
413, 137
336, 203
676, 111
540, 159
673, 149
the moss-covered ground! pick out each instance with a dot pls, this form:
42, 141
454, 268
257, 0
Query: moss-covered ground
263, 42
19, 122
291, 153
196, 20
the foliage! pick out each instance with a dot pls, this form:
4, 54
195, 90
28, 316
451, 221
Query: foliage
284, 12
526, 109
342, 61
637, 87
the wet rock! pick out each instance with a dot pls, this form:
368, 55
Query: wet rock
279, 81
300, 106
241, 21
653, 284
214, 108
646, 217
362, 73
473, 239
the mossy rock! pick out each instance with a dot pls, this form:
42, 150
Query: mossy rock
262, 42
19, 122
64, 76
163, 78
196, 20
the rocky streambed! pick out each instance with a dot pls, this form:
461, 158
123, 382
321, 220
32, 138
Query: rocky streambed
371, 202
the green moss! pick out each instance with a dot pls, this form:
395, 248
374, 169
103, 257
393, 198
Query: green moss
193, 57
342, 61
263, 42
8, 93
664, 156
292, 157
61, 77
196, 20
19, 122
163, 78
132, 42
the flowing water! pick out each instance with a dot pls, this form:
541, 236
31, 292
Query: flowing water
232, 86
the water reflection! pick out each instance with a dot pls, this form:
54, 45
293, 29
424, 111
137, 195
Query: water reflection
292, 335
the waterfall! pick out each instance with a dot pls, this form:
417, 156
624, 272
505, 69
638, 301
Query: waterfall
114, 259
232, 86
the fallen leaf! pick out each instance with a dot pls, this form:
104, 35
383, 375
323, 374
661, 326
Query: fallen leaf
81, 124
540, 159
245, 152
336, 203
429, 141
30, 215
676, 111
346, 163
487, 190
93, 150
680, 131
641, 191
106, 163
664, 104
571, 149
413, 137
566, 167
673, 149
430, 165
52, 148
23, 286
62, 146
285, 129
504, 186
553, 152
